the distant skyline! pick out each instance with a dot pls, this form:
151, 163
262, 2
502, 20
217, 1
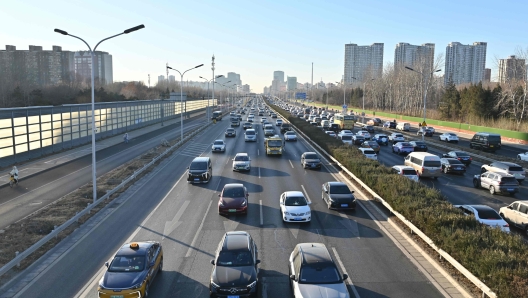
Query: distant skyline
256, 39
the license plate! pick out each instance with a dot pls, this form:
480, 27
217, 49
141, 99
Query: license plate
344, 205
313, 166
196, 179
510, 189
232, 210
297, 218
116, 296
491, 145
231, 296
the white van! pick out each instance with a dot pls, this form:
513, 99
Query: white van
425, 164
403, 126
325, 123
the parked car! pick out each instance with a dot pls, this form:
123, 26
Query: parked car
396, 137
419, 146
295, 207
381, 139
402, 148
313, 273
448, 137
311, 160
516, 214
337, 195
485, 215
452, 165
406, 171
235, 266
462, 156
372, 145
496, 183
505, 167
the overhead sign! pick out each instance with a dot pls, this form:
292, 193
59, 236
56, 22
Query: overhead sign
345, 106
300, 95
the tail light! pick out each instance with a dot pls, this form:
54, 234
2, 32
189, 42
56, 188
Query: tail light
423, 169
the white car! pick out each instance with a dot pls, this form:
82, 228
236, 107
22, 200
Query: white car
294, 207
345, 132
241, 162
347, 139
330, 133
396, 137
448, 137
262, 119
364, 133
369, 153
250, 135
406, 171
218, 146
485, 215
278, 122
523, 156
290, 136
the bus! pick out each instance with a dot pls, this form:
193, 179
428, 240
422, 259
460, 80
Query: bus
217, 115
344, 121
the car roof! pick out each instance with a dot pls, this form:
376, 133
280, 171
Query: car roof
201, 158
143, 246
476, 207
236, 240
241, 154
309, 152
315, 254
293, 193
233, 185
403, 167
336, 183
511, 164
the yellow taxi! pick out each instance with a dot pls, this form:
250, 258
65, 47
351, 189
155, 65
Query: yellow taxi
372, 145
131, 272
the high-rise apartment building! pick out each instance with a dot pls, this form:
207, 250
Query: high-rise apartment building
487, 75
161, 79
512, 69
363, 61
278, 75
234, 78
465, 63
421, 57
172, 79
291, 83
102, 66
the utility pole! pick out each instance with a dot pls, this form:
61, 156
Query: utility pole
311, 86
213, 68
149, 80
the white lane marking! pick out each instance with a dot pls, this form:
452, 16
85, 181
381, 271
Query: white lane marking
349, 280
227, 161
170, 226
306, 193
258, 152
191, 247
290, 163
258, 169
261, 218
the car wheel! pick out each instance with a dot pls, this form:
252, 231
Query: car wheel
160, 267
475, 183
492, 190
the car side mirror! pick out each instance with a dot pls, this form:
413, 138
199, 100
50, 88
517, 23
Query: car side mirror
292, 277
257, 262
212, 262
106, 263
345, 276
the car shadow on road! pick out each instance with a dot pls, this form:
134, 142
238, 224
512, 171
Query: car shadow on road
274, 284
178, 285
267, 172
363, 292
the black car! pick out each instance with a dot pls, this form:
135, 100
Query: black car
390, 124
334, 127
426, 131
460, 155
358, 140
235, 266
247, 125
369, 128
452, 165
337, 195
419, 146
285, 127
311, 160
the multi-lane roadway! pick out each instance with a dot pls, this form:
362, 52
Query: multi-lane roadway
184, 217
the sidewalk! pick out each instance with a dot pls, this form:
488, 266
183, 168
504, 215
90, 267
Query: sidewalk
36, 166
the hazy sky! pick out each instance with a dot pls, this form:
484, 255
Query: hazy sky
255, 38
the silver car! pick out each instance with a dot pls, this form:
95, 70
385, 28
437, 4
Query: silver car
314, 272
241, 162
497, 182
218, 146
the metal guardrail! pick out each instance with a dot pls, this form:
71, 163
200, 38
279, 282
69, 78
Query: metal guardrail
21, 256
479, 284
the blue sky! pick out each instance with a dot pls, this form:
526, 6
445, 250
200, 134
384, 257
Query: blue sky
255, 38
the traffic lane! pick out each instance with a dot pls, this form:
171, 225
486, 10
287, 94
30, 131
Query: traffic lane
90, 252
40, 190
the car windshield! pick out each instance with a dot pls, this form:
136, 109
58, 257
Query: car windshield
339, 189
234, 258
311, 156
233, 192
404, 144
488, 214
369, 152
454, 161
432, 163
460, 153
346, 138
290, 133
398, 136
318, 275
274, 143
219, 142
198, 166
516, 169
494, 138
509, 180
241, 158
295, 201
250, 133
127, 264
230, 130
409, 172
419, 143
452, 134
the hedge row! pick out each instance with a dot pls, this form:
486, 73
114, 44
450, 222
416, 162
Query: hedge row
496, 258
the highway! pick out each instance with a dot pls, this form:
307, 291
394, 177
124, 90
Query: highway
164, 207
45, 187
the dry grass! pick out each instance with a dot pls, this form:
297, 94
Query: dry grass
26, 232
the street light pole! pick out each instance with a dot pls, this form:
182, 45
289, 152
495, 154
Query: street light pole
425, 93
363, 113
94, 167
208, 81
181, 96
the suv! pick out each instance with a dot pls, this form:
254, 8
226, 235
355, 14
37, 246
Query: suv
235, 266
505, 167
285, 127
200, 170
486, 141
313, 272
396, 137
496, 182
516, 214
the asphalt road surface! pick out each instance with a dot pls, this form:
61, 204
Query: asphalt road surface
184, 217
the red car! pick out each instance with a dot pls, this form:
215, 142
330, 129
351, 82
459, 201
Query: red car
233, 199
